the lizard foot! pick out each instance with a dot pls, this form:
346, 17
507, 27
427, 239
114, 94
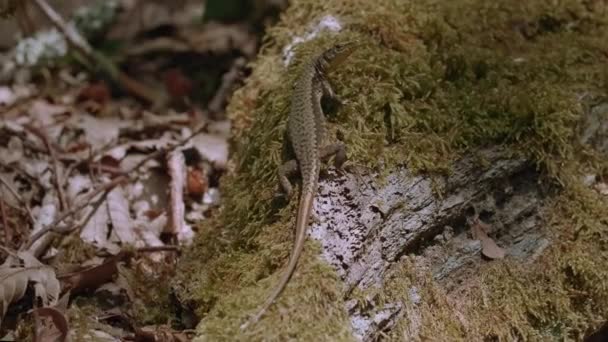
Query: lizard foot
338, 150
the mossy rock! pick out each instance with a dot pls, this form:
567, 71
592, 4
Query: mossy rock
432, 81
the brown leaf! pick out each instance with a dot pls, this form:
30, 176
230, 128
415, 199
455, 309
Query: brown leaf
160, 334
602, 188
489, 248
93, 277
51, 325
120, 215
177, 84
96, 92
197, 182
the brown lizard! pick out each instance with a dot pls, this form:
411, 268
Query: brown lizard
306, 133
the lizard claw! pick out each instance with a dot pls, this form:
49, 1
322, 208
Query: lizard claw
286, 193
340, 171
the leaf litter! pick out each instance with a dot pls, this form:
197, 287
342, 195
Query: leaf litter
113, 219
96, 177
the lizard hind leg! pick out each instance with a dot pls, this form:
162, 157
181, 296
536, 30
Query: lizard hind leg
286, 170
338, 151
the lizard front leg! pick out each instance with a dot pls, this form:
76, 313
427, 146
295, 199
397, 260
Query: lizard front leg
328, 90
331, 101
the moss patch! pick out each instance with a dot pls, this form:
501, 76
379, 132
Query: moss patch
432, 81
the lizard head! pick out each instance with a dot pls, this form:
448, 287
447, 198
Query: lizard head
337, 54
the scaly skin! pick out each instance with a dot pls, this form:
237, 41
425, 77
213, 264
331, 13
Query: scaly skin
306, 133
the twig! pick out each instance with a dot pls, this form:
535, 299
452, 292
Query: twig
176, 165
74, 210
24, 18
86, 161
160, 152
226, 87
63, 203
8, 233
10, 188
38, 249
19, 199
148, 249
151, 249
75, 39
19, 170
107, 187
135, 87
95, 207
99, 168
69, 31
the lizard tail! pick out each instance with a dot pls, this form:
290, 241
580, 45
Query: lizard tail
304, 210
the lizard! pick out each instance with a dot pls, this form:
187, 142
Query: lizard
306, 135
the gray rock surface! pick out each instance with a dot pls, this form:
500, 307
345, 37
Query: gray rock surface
367, 223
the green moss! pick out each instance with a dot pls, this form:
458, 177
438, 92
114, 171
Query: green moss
441, 79
151, 303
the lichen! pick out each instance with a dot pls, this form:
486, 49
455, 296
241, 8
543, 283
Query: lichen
431, 81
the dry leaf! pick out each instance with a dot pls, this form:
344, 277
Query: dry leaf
93, 277
178, 85
13, 151
15, 274
8, 188
197, 182
77, 187
602, 188
220, 38
213, 148
489, 248
118, 208
160, 334
96, 229
7, 96
45, 214
51, 325
45, 114
139, 17
100, 131
98, 92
